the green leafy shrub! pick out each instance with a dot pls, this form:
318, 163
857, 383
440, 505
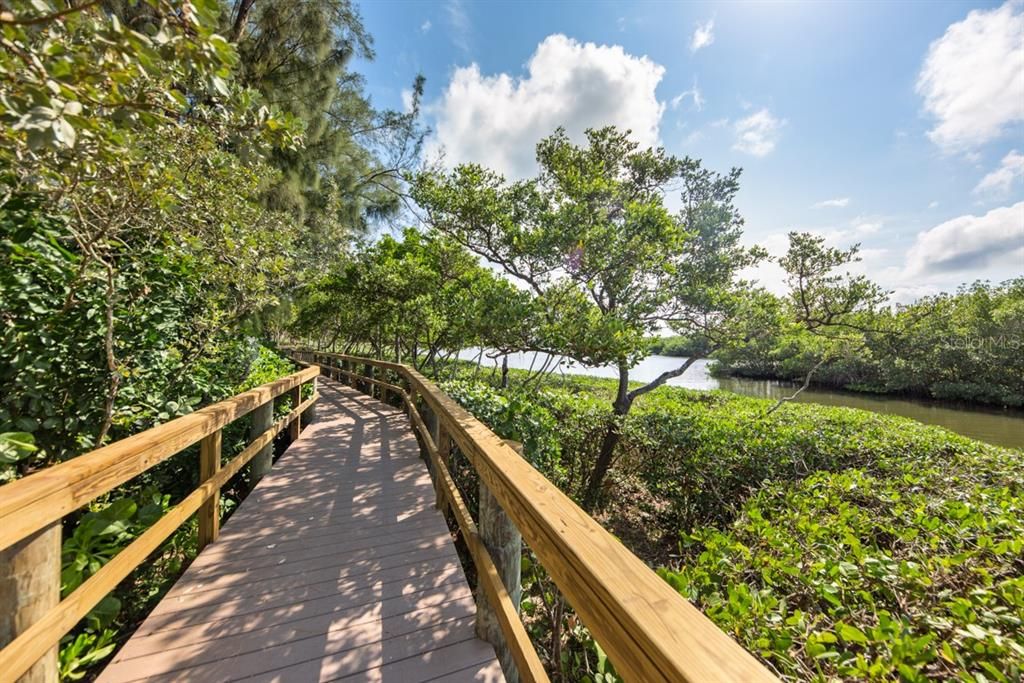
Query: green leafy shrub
513, 416
833, 543
915, 576
115, 520
702, 454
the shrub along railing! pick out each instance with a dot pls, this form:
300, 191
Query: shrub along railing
650, 632
33, 618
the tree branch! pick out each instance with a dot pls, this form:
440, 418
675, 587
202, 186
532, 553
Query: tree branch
807, 383
662, 378
9, 18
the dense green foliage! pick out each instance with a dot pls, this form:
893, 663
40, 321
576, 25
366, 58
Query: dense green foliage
675, 345
162, 186
178, 179
139, 236
604, 262
421, 298
964, 346
829, 541
120, 298
914, 574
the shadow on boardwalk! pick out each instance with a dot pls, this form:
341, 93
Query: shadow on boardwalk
336, 568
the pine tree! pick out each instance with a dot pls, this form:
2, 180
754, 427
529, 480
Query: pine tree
297, 54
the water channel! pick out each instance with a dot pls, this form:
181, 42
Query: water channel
1000, 427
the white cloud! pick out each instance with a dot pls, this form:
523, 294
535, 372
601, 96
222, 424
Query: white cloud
1000, 181
850, 233
757, 133
972, 79
932, 205
770, 274
860, 229
971, 243
703, 36
425, 26
460, 24
498, 120
909, 293
837, 203
694, 93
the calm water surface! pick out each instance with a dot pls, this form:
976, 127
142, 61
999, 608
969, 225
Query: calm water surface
1003, 428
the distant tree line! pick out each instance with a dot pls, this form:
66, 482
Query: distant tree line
675, 345
966, 346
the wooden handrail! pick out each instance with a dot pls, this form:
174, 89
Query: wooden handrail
40, 499
650, 632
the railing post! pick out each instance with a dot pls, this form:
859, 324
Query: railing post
29, 588
431, 420
209, 465
310, 414
296, 426
443, 443
370, 386
262, 419
504, 544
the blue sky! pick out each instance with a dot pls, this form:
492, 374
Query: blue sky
897, 125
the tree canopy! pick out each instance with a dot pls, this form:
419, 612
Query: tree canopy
422, 298
605, 260
164, 186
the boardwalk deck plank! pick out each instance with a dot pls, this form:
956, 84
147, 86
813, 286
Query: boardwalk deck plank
336, 567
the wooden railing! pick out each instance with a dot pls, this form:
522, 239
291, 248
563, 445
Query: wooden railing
650, 632
31, 510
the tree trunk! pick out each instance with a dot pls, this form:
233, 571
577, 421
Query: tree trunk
504, 371
244, 7
611, 439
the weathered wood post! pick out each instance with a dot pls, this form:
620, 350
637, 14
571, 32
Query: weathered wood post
296, 426
408, 407
430, 420
310, 415
444, 446
262, 419
209, 465
29, 588
504, 543
370, 386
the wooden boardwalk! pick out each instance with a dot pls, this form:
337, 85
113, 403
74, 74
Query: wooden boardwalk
337, 567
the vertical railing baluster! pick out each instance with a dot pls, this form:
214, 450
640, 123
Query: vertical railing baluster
209, 465
443, 443
296, 426
504, 544
262, 419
